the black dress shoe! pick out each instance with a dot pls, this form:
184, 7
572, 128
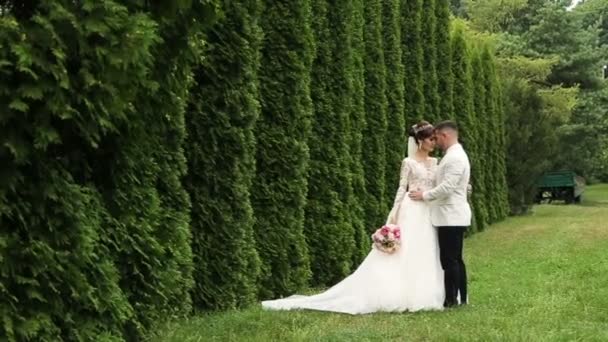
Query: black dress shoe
449, 304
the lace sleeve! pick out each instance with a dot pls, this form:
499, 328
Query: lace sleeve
403, 181
401, 191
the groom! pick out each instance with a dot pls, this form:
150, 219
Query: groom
450, 211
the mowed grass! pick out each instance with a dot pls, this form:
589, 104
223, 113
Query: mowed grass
542, 277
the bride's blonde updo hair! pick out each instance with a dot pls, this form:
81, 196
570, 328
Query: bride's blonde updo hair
422, 130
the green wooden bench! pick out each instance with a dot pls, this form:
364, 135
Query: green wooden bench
560, 185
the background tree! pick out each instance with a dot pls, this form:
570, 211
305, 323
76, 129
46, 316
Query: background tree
594, 13
582, 139
582, 142
429, 60
282, 132
358, 124
484, 210
464, 111
494, 145
533, 114
147, 198
554, 52
396, 129
374, 136
221, 159
411, 47
94, 238
328, 230
444, 62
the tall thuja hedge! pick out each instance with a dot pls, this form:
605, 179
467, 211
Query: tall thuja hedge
357, 125
464, 111
72, 77
493, 138
443, 65
395, 133
374, 137
463, 88
149, 201
329, 232
282, 132
496, 183
480, 160
411, 47
429, 60
503, 200
221, 160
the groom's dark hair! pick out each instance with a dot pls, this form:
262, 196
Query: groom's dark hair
446, 124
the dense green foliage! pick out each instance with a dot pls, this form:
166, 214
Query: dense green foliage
412, 55
428, 37
94, 233
443, 64
357, 126
221, 155
396, 132
329, 234
282, 132
494, 144
545, 49
374, 143
171, 156
480, 159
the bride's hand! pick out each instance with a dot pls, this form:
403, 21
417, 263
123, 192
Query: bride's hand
416, 195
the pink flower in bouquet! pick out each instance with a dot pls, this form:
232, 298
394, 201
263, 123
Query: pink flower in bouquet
397, 233
376, 238
384, 230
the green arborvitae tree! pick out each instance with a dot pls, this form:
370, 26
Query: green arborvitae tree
149, 202
329, 232
480, 160
396, 132
463, 88
374, 137
428, 40
411, 47
357, 121
494, 143
463, 94
282, 132
221, 157
503, 200
443, 65
58, 279
98, 245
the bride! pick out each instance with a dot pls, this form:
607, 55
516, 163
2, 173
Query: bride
409, 279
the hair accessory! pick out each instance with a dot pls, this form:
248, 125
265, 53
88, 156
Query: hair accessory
421, 128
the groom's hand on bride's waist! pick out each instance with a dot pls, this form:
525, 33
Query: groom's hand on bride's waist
416, 195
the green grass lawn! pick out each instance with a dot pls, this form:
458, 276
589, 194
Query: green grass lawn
542, 277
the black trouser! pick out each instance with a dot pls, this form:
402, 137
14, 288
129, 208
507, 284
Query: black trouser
455, 273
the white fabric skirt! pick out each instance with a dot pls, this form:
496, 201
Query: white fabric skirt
411, 279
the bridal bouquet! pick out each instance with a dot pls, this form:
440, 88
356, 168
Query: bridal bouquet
387, 239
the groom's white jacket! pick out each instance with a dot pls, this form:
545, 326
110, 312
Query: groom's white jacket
448, 199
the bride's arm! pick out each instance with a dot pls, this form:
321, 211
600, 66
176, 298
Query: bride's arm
401, 191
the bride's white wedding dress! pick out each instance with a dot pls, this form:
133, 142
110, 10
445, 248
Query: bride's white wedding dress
410, 279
